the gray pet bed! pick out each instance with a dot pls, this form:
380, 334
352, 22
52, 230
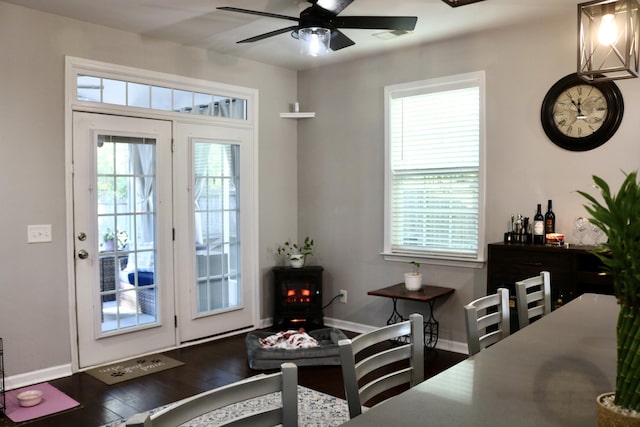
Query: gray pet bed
326, 353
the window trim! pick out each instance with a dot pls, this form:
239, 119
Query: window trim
426, 86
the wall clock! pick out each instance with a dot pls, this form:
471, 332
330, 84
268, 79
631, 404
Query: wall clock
581, 116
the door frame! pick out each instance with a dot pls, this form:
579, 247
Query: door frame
78, 66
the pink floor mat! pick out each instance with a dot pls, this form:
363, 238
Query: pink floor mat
53, 400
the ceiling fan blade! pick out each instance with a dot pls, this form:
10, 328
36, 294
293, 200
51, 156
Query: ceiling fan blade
339, 40
406, 23
255, 12
269, 34
334, 6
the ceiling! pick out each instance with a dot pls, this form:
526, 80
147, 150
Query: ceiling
197, 23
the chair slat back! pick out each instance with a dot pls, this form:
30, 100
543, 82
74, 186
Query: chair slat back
533, 298
285, 381
369, 358
487, 320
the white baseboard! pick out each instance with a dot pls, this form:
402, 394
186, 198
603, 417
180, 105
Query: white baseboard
35, 377
348, 326
265, 323
453, 346
447, 345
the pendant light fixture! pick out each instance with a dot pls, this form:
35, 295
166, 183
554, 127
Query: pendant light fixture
608, 39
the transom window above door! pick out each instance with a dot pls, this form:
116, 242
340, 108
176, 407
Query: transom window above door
162, 98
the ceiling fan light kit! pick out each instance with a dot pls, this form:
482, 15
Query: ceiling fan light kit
608, 40
319, 25
456, 3
315, 40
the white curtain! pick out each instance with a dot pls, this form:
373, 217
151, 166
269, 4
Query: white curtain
230, 107
200, 163
144, 171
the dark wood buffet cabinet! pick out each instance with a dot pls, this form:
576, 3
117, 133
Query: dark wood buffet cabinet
574, 270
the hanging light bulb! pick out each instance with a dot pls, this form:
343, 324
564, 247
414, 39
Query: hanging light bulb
609, 39
315, 40
608, 32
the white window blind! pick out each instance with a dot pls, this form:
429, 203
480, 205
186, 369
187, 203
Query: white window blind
434, 180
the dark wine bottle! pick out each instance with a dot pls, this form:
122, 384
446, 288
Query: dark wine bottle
538, 227
549, 220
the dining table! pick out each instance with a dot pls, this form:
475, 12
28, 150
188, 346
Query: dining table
546, 374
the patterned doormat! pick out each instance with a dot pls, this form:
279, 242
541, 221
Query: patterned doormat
134, 368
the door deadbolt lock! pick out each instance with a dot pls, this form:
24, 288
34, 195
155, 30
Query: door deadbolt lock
82, 236
82, 254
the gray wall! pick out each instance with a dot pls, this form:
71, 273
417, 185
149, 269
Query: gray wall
34, 302
335, 194
340, 160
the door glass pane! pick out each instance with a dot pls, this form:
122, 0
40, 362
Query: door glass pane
125, 200
217, 235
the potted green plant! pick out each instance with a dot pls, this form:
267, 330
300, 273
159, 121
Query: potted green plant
109, 238
295, 253
413, 280
618, 217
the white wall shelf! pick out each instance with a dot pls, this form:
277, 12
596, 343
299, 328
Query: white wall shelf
297, 115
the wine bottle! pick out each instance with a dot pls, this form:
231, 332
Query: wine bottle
549, 220
538, 227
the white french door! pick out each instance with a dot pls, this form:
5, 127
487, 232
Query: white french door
216, 232
122, 184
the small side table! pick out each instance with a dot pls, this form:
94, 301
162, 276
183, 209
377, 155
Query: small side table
428, 294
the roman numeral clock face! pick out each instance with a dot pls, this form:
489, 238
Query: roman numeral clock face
580, 116
579, 111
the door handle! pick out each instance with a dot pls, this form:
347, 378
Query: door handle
82, 254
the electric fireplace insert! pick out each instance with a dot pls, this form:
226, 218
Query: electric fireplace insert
298, 297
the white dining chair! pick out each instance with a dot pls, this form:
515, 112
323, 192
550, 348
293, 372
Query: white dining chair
365, 354
533, 296
487, 320
285, 381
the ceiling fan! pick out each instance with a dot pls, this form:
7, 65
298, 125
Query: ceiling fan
323, 14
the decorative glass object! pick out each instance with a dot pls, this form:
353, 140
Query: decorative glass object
580, 229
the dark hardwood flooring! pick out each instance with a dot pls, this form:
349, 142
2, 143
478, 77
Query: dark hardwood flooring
206, 366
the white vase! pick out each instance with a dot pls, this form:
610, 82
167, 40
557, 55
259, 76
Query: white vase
413, 281
108, 245
296, 260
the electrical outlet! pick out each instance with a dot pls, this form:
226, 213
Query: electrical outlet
343, 296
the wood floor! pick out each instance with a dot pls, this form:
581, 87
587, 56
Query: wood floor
206, 366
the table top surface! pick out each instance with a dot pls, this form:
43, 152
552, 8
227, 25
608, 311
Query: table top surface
547, 374
425, 294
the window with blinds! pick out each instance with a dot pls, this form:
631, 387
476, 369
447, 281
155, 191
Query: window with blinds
434, 176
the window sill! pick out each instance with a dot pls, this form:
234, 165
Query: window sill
427, 260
